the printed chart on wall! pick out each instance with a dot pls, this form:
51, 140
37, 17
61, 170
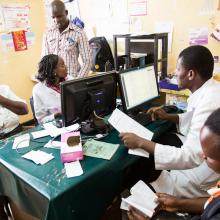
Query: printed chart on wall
15, 28
109, 17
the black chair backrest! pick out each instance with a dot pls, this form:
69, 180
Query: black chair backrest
102, 58
32, 108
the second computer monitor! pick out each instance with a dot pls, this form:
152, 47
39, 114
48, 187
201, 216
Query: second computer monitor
138, 87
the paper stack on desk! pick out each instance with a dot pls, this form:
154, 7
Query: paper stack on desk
38, 157
142, 198
123, 123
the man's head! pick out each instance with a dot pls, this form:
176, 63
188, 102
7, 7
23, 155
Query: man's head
210, 141
194, 67
59, 14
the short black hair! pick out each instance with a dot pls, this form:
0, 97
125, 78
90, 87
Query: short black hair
58, 5
198, 58
46, 69
213, 123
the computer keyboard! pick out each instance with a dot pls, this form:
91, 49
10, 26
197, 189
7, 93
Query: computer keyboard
142, 118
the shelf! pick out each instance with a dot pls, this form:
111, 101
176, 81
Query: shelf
150, 48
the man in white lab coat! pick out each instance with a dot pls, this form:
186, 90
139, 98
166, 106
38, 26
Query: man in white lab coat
189, 176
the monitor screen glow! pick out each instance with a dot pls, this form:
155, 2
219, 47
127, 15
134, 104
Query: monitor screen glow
138, 86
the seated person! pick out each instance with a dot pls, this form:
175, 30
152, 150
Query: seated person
10, 107
189, 176
210, 141
46, 94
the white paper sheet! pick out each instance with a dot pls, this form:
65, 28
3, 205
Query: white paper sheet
123, 123
39, 134
54, 131
73, 169
21, 141
142, 198
38, 157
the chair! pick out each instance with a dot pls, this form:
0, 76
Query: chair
102, 58
33, 112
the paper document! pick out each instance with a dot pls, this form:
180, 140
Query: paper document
123, 123
54, 131
99, 149
54, 144
39, 134
141, 198
38, 157
73, 169
21, 141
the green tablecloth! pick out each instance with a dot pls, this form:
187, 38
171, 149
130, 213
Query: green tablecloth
45, 192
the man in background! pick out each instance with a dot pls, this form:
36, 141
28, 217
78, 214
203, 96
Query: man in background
68, 41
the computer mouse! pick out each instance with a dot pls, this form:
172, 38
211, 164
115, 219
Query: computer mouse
59, 123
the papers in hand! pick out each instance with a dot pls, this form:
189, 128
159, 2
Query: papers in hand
123, 123
142, 198
99, 149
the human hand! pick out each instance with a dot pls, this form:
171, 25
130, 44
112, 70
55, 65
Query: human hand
58, 115
157, 113
131, 140
167, 202
134, 214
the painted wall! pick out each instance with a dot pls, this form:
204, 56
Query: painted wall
185, 14
18, 67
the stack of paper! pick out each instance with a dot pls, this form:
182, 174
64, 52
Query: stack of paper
38, 157
142, 198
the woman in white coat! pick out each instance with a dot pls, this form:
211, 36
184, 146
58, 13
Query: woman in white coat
46, 94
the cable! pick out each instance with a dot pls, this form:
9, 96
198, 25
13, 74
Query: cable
97, 116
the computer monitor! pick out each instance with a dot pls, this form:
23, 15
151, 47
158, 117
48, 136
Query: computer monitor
80, 97
138, 87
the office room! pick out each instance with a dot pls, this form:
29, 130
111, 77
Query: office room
126, 127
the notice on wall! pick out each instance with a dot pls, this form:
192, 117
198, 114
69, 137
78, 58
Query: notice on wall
16, 17
138, 7
19, 40
165, 27
2, 24
207, 7
198, 36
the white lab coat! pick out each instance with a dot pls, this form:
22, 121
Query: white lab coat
8, 119
194, 181
47, 102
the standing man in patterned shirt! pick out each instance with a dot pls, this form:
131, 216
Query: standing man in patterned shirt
68, 41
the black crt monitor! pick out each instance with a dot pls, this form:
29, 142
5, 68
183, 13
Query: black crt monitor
81, 97
138, 88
